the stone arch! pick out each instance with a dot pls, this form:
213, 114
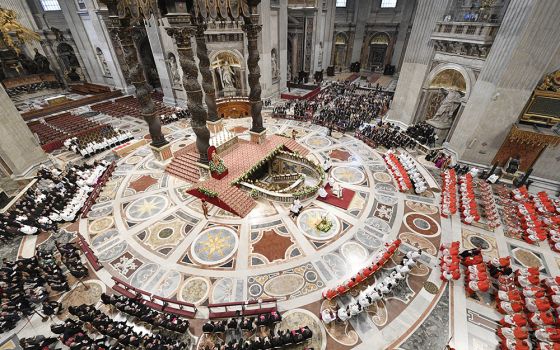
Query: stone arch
340, 49
467, 73
68, 56
230, 62
379, 49
442, 79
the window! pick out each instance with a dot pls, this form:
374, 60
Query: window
340, 3
82, 5
388, 3
50, 5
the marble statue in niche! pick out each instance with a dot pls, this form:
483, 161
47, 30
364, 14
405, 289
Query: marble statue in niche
42, 63
103, 62
228, 78
226, 70
446, 110
174, 69
274, 64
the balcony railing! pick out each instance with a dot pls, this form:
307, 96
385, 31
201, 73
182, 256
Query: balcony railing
466, 32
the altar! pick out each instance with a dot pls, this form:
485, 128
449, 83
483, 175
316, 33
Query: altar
223, 140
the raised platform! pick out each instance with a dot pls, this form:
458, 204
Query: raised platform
239, 159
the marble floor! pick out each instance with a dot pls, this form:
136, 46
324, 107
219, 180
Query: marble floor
148, 232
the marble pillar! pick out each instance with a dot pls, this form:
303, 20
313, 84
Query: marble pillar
181, 31
130, 37
513, 68
417, 59
362, 11
113, 27
204, 67
283, 43
252, 30
20, 149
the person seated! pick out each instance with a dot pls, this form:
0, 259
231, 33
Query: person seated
328, 316
337, 190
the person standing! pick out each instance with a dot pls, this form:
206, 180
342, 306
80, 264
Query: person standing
205, 209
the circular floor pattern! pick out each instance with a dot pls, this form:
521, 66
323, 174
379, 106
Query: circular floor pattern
382, 177
421, 224
145, 208
318, 142
222, 291
348, 175
133, 160
283, 285
101, 225
214, 246
354, 254
308, 220
195, 290
336, 264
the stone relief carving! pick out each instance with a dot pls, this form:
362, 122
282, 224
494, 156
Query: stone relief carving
463, 49
448, 106
174, 69
274, 64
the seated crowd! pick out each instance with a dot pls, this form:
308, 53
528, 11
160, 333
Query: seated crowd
423, 133
374, 292
387, 135
378, 262
25, 284
123, 332
342, 106
97, 141
146, 314
56, 197
175, 116
267, 339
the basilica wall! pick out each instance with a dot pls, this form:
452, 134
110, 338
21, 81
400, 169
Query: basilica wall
370, 34
417, 61
503, 89
484, 56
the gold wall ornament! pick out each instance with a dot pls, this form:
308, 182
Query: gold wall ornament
534, 138
551, 82
137, 9
449, 79
10, 26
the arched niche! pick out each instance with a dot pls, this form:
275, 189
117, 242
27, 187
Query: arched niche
70, 64
149, 63
228, 73
445, 92
340, 49
379, 51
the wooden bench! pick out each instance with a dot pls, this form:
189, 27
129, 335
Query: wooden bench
155, 302
88, 252
243, 308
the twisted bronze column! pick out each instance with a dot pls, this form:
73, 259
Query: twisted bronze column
130, 37
252, 30
182, 35
204, 67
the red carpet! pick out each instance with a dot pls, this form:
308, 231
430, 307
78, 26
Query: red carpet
344, 202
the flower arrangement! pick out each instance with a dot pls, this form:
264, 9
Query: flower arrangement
207, 192
217, 165
324, 225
